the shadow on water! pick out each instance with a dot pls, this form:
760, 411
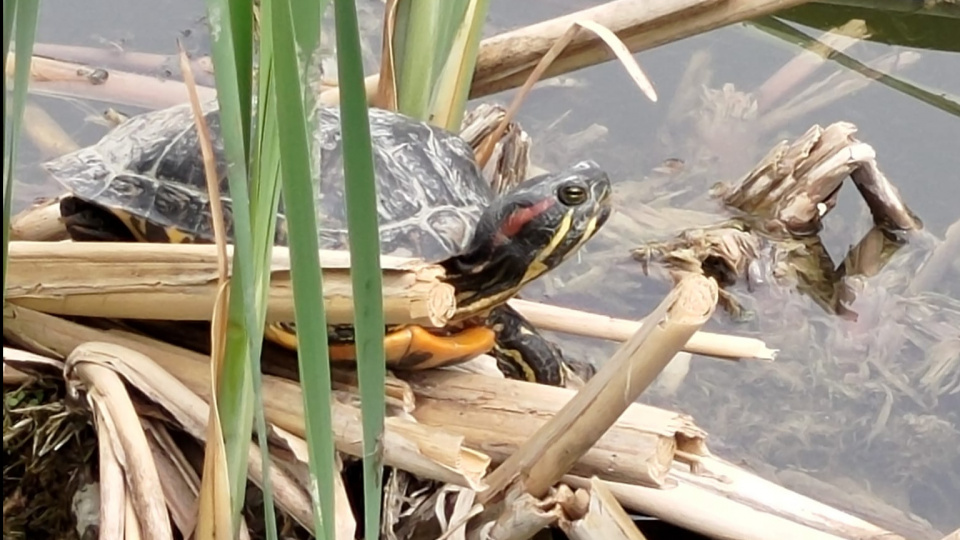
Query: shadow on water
821, 412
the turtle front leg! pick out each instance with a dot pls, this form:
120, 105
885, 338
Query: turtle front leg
523, 353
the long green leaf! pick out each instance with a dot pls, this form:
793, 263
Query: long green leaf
425, 30
452, 87
364, 236
298, 197
232, 55
25, 14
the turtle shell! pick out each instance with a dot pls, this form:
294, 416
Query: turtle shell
149, 172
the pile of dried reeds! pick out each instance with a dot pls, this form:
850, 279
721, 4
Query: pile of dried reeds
509, 457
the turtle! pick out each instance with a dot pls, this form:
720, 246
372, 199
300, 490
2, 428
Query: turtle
144, 181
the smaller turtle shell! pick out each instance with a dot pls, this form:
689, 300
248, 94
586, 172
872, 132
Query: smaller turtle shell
149, 170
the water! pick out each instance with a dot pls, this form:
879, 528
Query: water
916, 146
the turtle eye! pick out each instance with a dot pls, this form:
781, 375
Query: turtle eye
572, 194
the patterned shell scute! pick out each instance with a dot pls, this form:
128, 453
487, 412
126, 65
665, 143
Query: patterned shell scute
430, 190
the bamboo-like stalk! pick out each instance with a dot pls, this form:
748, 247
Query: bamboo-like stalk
506, 60
494, 416
422, 450
583, 323
731, 502
178, 282
556, 446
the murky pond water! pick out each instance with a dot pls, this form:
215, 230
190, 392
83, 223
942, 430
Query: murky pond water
836, 405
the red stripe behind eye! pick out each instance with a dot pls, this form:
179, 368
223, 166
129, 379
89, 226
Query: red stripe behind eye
521, 216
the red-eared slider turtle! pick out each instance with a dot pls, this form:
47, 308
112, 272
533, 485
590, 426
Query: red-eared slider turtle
145, 181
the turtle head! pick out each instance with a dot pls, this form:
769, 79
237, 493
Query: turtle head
527, 232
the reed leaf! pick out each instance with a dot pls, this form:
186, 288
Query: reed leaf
424, 35
291, 107
364, 237
452, 87
19, 16
231, 23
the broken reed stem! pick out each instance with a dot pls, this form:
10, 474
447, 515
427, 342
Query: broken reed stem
595, 325
722, 500
553, 449
58, 78
422, 450
179, 282
39, 223
602, 518
494, 416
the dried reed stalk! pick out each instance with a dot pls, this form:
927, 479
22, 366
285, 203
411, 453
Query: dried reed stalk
497, 416
553, 449
54, 77
506, 60
178, 282
583, 323
721, 500
524, 515
422, 450
39, 223
603, 517
89, 372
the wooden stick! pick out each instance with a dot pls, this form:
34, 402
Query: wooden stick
556, 446
494, 416
178, 282
422, 450
583, 323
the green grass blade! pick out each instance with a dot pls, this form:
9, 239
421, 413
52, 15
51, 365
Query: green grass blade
25, 26
424, 34
232, 55
298, 196
452, 87
364, 236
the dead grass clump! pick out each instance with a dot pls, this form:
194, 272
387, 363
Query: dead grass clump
48, 455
